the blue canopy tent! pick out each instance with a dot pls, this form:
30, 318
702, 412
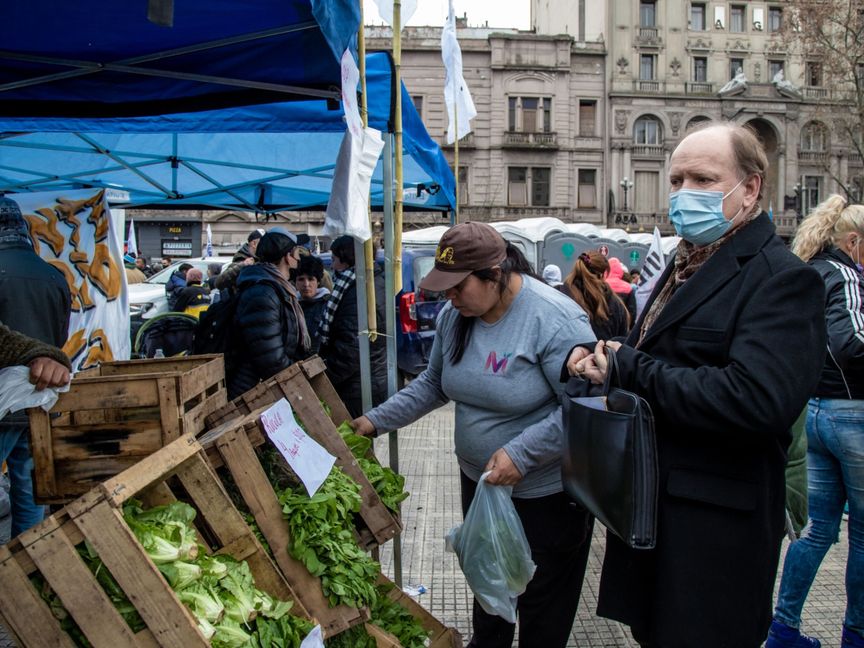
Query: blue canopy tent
263, 158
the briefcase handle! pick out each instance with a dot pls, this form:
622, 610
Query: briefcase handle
613, 378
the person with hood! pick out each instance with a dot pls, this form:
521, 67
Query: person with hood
226, 281
35, 301
176, 283
622, 288
831, 240
269, 328
340, 337
552, 275
313, 296
194, 298
134, 274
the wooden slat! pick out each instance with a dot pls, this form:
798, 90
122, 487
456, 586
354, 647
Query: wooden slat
101, 393
127, 439
192, 383
170, 409
155, 366
25, 613
156, 467
77, 477
44, 478
165, 616
383, 639
205, 490
327, 393
80, 592
258, 495
381, 522
193, 420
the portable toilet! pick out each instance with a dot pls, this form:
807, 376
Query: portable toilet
529, 235
588, 230
427, 237
563, 248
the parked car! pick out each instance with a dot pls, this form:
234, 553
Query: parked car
148, 299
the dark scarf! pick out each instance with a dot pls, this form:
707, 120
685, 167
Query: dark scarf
688, 259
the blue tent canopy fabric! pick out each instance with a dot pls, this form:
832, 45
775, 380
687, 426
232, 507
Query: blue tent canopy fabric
95, 58
265, 157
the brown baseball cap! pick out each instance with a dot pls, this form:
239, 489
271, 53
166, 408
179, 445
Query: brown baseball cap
463, 249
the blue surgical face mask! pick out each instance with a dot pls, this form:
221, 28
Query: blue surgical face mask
697, 215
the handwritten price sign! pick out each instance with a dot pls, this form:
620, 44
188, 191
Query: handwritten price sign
307, 458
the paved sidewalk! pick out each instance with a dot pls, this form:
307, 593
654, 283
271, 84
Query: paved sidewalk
432, 477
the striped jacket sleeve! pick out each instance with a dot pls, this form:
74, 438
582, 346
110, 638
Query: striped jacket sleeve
845, 314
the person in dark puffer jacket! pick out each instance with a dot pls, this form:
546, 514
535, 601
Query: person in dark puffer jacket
270, 332
340, 338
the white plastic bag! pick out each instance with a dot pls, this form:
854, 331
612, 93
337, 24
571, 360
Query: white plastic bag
314, 639
17, 393
493, 551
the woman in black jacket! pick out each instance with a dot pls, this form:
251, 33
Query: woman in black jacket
831, 239
270, 332
608, 316
340, 335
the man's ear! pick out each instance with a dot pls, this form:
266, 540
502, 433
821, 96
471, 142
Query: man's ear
752, 185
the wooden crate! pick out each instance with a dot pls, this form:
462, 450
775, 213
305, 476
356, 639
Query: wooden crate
440, 636
49, 550
233, 446
304, 385
115, 415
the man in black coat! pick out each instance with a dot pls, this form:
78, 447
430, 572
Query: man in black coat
727, 351
340, 337
34, 300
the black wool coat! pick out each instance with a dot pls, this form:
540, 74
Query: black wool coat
726, 368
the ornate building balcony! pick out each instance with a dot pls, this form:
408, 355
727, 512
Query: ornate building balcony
465, 142
589, 143
648, 36
699, 88
815, 93
648, 86
648, 151
518, 139
813, 157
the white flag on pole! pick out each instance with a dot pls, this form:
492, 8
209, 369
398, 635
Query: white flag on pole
456, 93
385, 9
131, 241
653, 267
209, 241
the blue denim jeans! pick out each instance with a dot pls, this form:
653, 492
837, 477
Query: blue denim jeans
835, 474
15, 451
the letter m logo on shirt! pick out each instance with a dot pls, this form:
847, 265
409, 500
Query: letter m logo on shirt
495, 366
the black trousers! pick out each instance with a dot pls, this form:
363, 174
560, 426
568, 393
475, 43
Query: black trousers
559, 533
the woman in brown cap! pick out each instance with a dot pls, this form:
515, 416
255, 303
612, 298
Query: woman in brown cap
497, 355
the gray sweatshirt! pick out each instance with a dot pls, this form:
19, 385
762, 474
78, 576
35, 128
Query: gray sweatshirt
506, 387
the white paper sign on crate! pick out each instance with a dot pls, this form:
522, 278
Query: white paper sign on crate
311, 462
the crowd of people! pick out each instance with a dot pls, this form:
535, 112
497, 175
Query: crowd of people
740, 336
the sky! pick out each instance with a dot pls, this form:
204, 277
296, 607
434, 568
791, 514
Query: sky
507, 13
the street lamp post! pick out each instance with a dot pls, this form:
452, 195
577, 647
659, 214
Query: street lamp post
798, 202
626, 185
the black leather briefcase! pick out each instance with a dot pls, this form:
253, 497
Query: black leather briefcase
610, 456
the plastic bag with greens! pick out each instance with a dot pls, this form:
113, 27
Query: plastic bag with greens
493, 551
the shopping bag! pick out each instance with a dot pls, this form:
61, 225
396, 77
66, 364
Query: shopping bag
493, 551
610, 456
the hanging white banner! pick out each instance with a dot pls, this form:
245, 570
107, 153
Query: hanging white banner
385, 10
76, 233
652, 268
457, 97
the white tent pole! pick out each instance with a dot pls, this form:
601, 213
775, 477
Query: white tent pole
363, 327
390, 300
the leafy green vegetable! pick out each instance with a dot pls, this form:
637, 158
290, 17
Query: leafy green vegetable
322, 538
230, 634
326, 408
165, 532
355, 637
284, 632
180, 574
395, 619
203, 601
389, 485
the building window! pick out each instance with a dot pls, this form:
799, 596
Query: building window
735, 64
647, 130
773, 68
775, 19
587, 198
812, 191
737, 18
587, 118
700, 69
646, 186
417, 100
530, 114
647, 66
647, 13
856, 189
813, 75
697, 16
463, 185
520, 178
813, 138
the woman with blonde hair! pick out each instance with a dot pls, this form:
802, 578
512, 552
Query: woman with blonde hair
585, 285
830, 239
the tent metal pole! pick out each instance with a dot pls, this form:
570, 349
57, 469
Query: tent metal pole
390, 300
363, 326
397, 132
